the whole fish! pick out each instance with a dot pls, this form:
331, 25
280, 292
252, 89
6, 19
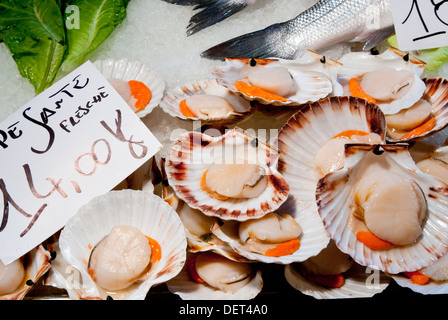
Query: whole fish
211, 11
326, 23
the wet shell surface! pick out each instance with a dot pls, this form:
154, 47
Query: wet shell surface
356, 285
308, 131
359, 64
335, 194
312, 79
36, 263
187, 289
436, 93
194, 153
142, 210
312, 239
124, 69
172, 99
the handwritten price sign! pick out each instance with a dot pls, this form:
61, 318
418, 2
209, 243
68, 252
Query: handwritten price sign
76, 140
420, 24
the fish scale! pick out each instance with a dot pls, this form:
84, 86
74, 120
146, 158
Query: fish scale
326, 23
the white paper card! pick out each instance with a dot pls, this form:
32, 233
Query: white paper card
420, 24
76, 140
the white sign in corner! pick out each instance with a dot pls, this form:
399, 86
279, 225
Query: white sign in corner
74, 141
420, 24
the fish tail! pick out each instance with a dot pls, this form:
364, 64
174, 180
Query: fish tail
269, 42
212, 12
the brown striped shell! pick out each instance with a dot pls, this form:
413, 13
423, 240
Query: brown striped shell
194, 152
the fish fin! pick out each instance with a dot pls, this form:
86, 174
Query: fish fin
212, 12
183, 2
377, 37
266, 43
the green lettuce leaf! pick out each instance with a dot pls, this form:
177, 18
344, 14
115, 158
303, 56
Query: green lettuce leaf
98, 18
33, 31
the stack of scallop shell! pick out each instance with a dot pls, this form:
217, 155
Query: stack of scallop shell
349, 196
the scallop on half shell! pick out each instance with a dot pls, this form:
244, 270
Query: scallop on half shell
207, 101
140, 218
272, 240
426, 117
391, 79
312, 141
280, 82
231, 176
19, 276
210, 276
383, 211
151, 86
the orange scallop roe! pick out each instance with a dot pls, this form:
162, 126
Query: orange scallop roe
185, 110
421, 129
141, 93
348, 134
356, 90
417, 278
254, 91
372, 241
283, 249
156, 250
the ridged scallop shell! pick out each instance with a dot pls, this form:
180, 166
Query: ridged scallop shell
356, 285
436, 93
314, 125
358, 63
143, 210
127, 70
194, 152
37, 262
312, 240
432, 287
187, 289
172, 98
314, 78
334, 195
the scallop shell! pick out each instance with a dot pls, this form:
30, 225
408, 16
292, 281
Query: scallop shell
314, 125
360, 282
358, 63
197, 243
64, 276
127, 70
314, 78
334, 194
37, 262
143, 210
194, 152
431, 287
187, 289
313, 239
436, 93
172, 98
